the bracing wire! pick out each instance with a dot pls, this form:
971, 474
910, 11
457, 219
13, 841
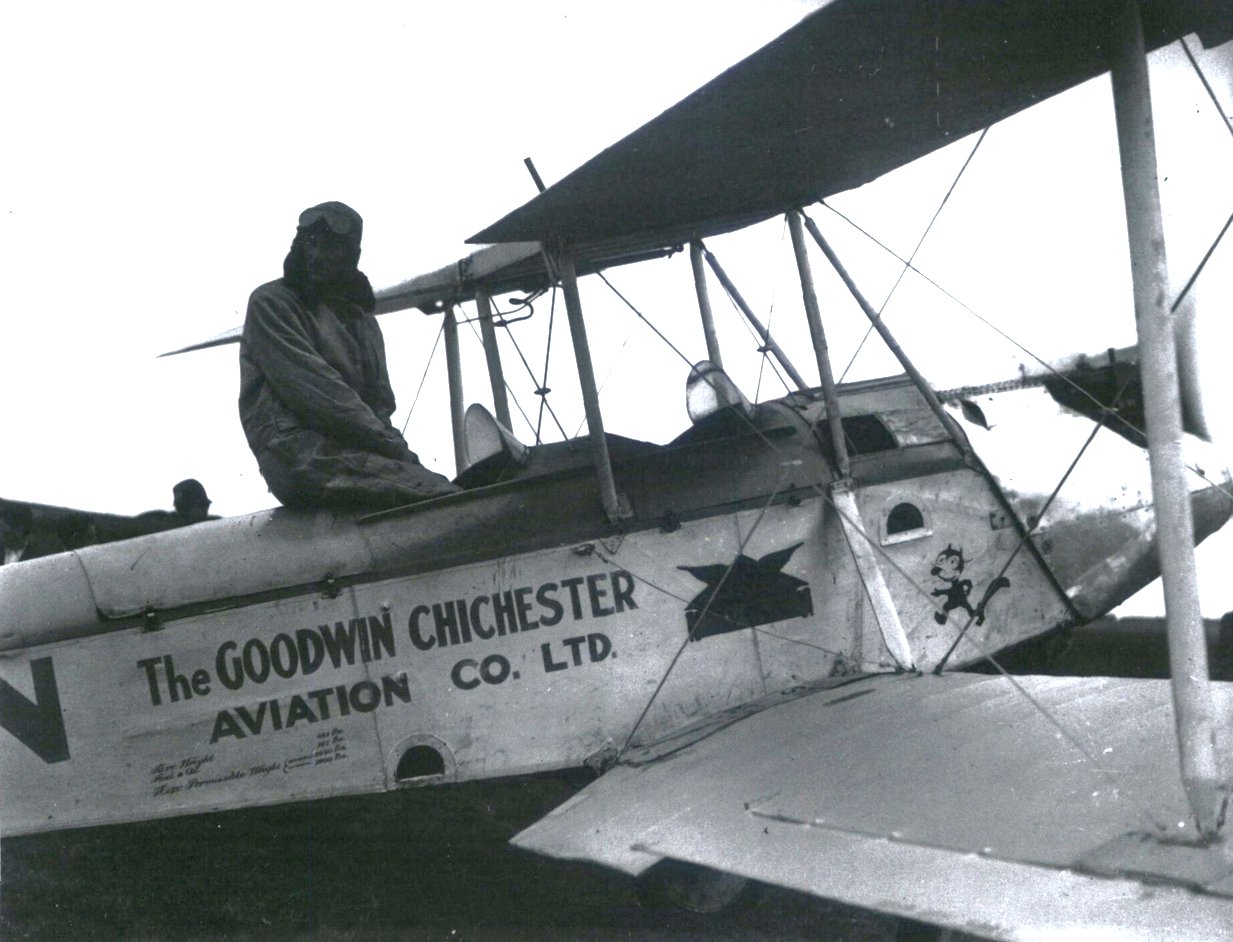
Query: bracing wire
420, 388
543, 398
658, 333
599, 388
1206, 85
770, 319
509, 389
907, 265
921, 590
763, 348
633, 571
1049, 367
689, 637
543, 389
671, 346
1024, 538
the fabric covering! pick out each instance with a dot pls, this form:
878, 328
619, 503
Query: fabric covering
856, 89
316, 401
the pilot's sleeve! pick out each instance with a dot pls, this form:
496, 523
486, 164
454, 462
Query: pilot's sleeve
306, 384
384, 402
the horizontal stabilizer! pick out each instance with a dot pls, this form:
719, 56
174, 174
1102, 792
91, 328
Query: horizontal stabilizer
226, 337
953, 800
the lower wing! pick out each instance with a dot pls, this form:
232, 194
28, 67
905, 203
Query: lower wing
1015, 808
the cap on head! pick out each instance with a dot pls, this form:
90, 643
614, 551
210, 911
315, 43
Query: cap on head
190, 494
338, 217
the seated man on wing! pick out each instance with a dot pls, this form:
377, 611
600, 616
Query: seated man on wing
315, 396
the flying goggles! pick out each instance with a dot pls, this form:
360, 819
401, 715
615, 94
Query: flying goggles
338, 218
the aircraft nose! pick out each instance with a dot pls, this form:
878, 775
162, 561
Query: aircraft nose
1102, 558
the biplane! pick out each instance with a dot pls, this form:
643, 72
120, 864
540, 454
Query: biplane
752, 633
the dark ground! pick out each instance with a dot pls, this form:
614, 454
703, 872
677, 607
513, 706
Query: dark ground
429, 864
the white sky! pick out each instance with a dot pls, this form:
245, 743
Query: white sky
157, 156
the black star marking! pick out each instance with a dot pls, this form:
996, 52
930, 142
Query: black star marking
748, 593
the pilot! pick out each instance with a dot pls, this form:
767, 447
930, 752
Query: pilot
315, 395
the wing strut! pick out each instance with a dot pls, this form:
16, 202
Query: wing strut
453, 370
1192, 704
496, 375
750, 316
590, 393
704, 304
896, 639
843, 493
820, 348
918, 380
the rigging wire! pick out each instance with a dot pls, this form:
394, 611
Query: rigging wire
1206, 85
658, 333
611, 561
543, 395
1211, 250
907, 265
882, 666
884, 556
544, 389
684, 359
508, 388
432, 353
1024, 539
770, 319
607, 376
799, 451
1052, 370
763, 347
541, 388
1211, 94
702, 615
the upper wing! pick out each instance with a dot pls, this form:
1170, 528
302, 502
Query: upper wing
953, 799
852, 91
517, 266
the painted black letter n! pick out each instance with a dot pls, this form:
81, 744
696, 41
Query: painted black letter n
39, 725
